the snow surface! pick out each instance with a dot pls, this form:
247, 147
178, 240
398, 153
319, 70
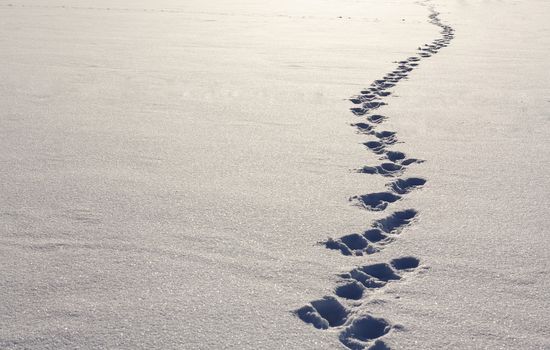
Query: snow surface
171, 171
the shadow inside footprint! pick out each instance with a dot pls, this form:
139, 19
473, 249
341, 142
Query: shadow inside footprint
375, 146
376, 201
324, 313
373, 239
396, 221
363, 278
331, 310
337, 245
309, 315
363, 128
378, 275
355, 241
403, 186
395, 156
363, 330
400, 158
384, 169
374, 104
353, 244
350, 290
376, 118
381, 271
383, 93
374, 235
405, 263
359, 111
388, 137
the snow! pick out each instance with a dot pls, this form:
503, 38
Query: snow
171, 173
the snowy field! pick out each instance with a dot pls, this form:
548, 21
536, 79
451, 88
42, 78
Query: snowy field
274, 174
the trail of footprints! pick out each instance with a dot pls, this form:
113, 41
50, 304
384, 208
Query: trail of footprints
359, 330
342, 311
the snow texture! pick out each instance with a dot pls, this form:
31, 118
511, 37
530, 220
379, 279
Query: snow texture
290, 174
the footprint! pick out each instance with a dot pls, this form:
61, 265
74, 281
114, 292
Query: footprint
406, 263
382, 232
352, 244
376, 118
400, 158
381, 85
411, 161
381, 271
361, 333
359, 111
364, 128
388, 137
395, 156
383, 93
377, 275
352, 290
373, 105
377, 201
375, 146
384, 169
324, 313
404, 68
394, 223
375, 235
403, 186
367, 106
364, 98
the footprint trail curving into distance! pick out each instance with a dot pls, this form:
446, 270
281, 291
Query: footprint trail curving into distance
343, 311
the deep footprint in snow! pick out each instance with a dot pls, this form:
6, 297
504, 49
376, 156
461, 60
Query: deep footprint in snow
350, 290
406, 263
384, 169
377, 201
367, 107
395, 222
400, 158
324, 313
352, 244
374, 276
364, 128
376, 118
361, 333
359, 111
404, 186
387, 137
381, 271
375, 146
